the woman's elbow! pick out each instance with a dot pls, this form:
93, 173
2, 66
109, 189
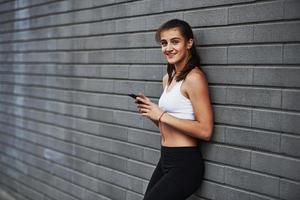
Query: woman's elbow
207, 133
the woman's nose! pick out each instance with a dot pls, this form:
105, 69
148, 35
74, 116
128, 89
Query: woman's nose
169, 47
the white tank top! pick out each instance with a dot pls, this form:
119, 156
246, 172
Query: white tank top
175, 104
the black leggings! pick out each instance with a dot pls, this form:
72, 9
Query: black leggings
177, 175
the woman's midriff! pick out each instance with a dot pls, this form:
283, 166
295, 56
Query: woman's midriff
172, 137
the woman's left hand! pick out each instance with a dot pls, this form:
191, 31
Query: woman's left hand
148, 108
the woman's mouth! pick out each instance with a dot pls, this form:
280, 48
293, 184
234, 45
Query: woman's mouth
170, 55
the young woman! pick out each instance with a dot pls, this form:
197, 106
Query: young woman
184, 115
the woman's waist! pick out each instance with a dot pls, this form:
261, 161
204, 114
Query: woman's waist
172, 137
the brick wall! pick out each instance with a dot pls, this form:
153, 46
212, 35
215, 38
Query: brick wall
68, 130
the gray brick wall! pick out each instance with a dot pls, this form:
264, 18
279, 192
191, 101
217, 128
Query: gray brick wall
68, 130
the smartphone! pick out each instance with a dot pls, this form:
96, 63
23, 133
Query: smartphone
133, 95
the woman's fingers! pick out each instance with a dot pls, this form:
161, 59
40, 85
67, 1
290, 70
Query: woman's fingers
141, 95
140, 100
144, 108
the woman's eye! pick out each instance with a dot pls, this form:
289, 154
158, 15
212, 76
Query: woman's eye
163, 44
175, 42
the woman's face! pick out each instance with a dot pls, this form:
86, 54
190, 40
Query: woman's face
174, 46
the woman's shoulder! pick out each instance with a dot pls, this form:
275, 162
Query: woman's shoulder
195, 75
165, 80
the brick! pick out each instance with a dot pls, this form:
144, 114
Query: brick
86, 153
129, 56
92, 195
219, 133
151, 156
111, 191
93, 142
233, 115
144, 138
129, 119
289, 189
207, 17
226, 155
112, 161
131, 9
266, 119
290, 145
269, 76
256, 54
98, 85
5, 6
153, 90
102, 100
139, 169
149, 125
128, 150
212, 190
178, 5
276, 165
253, 181
255, 196
114, 132
103, 56
117, 41
133, 196
254, 96
114, 71
100, 114
132, 24
85, 181
70, 188
213, 55
90, 4
214, 172
291, 99
81, 125
126, 87
129, 182
229, 75
277, 32
224, 35
217, 93
291, 9
62, 172
256, 12
289, 122
102, 27
154, 21
208, 189
148, 72
291, 54
154, 56
262, 140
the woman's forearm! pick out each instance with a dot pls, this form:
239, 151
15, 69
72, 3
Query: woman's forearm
193, 128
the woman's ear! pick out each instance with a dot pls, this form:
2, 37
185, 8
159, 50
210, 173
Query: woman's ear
190, 43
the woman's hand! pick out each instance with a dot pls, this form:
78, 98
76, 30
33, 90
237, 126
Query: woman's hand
148, 108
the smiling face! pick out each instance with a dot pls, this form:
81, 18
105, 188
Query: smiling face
175, 47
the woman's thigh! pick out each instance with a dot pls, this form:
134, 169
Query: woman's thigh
177, 184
